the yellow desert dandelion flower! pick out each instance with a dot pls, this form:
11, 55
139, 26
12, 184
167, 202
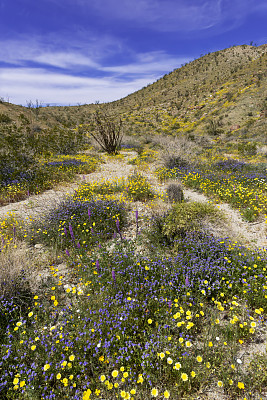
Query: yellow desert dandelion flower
46, 367
115, 373
166, 394
184, 377
154, 392
177, 366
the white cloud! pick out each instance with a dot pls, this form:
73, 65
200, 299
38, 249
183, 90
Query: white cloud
63, 53
148, 63
175, 15
89, 80
21, 84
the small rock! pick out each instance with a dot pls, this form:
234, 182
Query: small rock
38, 246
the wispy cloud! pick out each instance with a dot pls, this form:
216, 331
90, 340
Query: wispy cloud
32, 70
148, 63
21, 84
176, 15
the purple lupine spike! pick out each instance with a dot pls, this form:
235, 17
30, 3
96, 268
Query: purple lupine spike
113, 275
78, 245
118, 224
65, 231
118, 228
14, 231
67, 252
89, 213
28, 193
84, 177
136, 217
97, 266
187, 281
170, 304
3, 241
71, 232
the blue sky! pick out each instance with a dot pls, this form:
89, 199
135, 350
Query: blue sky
82, 51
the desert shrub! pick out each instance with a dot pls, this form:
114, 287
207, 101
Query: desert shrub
177, 152
187, 217
214, 127
175, 193
107, 132
16, 167
175, 161
138, 188
75, 222
15, 291
247, 149
5, 119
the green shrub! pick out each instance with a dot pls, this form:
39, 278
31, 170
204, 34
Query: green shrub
5, 119
186, 217
138, 188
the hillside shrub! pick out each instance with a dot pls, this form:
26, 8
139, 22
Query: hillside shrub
5, 119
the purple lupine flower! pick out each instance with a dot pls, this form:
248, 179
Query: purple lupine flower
78, 245
67, 252
65, 230
136, 217
113, 275
187, 281
89, 213
28, 193
97, 266
170, 304
84, 177
71, 232
14, 232
118, 224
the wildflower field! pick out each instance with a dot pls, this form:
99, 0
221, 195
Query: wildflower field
17, 183
241, 184
167, 313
